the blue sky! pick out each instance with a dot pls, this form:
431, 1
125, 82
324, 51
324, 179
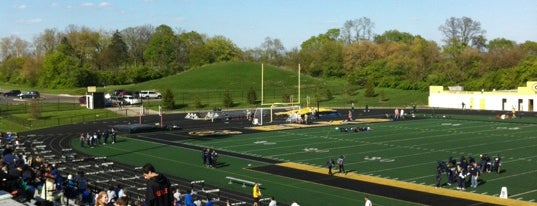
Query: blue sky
248, 22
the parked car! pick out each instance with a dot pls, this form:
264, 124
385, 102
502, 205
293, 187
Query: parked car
117, 92
116, 101
150, 94
12, 93
29, 95
129, 99
82, 100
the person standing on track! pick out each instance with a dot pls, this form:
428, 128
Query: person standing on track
367, 201
256, 192
341, 164
330, 164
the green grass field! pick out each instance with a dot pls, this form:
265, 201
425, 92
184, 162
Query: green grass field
209, 83
403, 150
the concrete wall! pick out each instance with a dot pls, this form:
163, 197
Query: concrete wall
521, 99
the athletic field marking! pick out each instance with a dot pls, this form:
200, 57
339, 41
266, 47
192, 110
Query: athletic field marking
313, 149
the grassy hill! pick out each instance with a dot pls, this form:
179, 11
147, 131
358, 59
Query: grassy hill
210, 82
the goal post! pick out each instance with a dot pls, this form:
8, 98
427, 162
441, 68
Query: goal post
292, 100
274, 113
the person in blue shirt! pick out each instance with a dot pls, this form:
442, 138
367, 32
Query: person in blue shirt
189, 199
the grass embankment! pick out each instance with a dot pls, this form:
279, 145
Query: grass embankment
209, 84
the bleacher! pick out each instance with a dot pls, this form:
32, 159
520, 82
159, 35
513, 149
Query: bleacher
103, 173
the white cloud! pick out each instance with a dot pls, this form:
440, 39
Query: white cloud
87, 4
30, 21
22, 6
104, 4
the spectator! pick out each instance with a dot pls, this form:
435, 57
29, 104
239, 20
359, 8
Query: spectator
189, 199
86, 197
367, 201
122, 201
102, 199
82, 181
49, 192
209, 202
197, 202
272, 201
111, 195
177, 197
159, 192
70, 187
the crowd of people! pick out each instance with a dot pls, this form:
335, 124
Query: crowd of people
97, 137
467, 171
209, 157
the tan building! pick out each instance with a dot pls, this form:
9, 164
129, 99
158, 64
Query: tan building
521, 99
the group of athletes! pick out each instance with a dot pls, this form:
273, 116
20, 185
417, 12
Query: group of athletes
209, 156
467, 170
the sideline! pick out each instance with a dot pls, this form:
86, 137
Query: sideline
414, 187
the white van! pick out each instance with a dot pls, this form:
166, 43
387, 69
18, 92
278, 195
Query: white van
150, 94
129, 99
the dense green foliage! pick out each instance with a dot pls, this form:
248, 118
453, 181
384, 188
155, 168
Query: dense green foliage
81, 57
168, 100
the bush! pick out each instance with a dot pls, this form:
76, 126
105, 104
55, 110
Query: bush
252, 96
369, 89
197, 102
168, 99
227, 101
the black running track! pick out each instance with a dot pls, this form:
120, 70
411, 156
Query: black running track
59, 138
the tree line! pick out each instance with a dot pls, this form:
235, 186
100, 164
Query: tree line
80, 56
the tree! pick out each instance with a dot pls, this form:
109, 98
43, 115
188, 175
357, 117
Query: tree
13, 46
272, 51
252, 96
323, 55
197, 102
34, 109
369, 88
85, 44
193, 44
222, 49
136, 39
228, 100
168, 100
360, 55
160, 49
357, 30
114, 55
394, 36
47, 41
461, 31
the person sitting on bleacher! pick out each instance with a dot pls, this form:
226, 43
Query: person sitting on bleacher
177, 197
189, 199
49, 192
8, 182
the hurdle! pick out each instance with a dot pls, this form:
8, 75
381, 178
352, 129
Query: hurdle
244, 182
199, 182
208, 192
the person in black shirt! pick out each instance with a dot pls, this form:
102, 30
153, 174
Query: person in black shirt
158, 192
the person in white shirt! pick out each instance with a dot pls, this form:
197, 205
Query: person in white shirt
272, 202
295, 204
111, 195
177, 196
367, 201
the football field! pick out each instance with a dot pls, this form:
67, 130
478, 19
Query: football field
399, 154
